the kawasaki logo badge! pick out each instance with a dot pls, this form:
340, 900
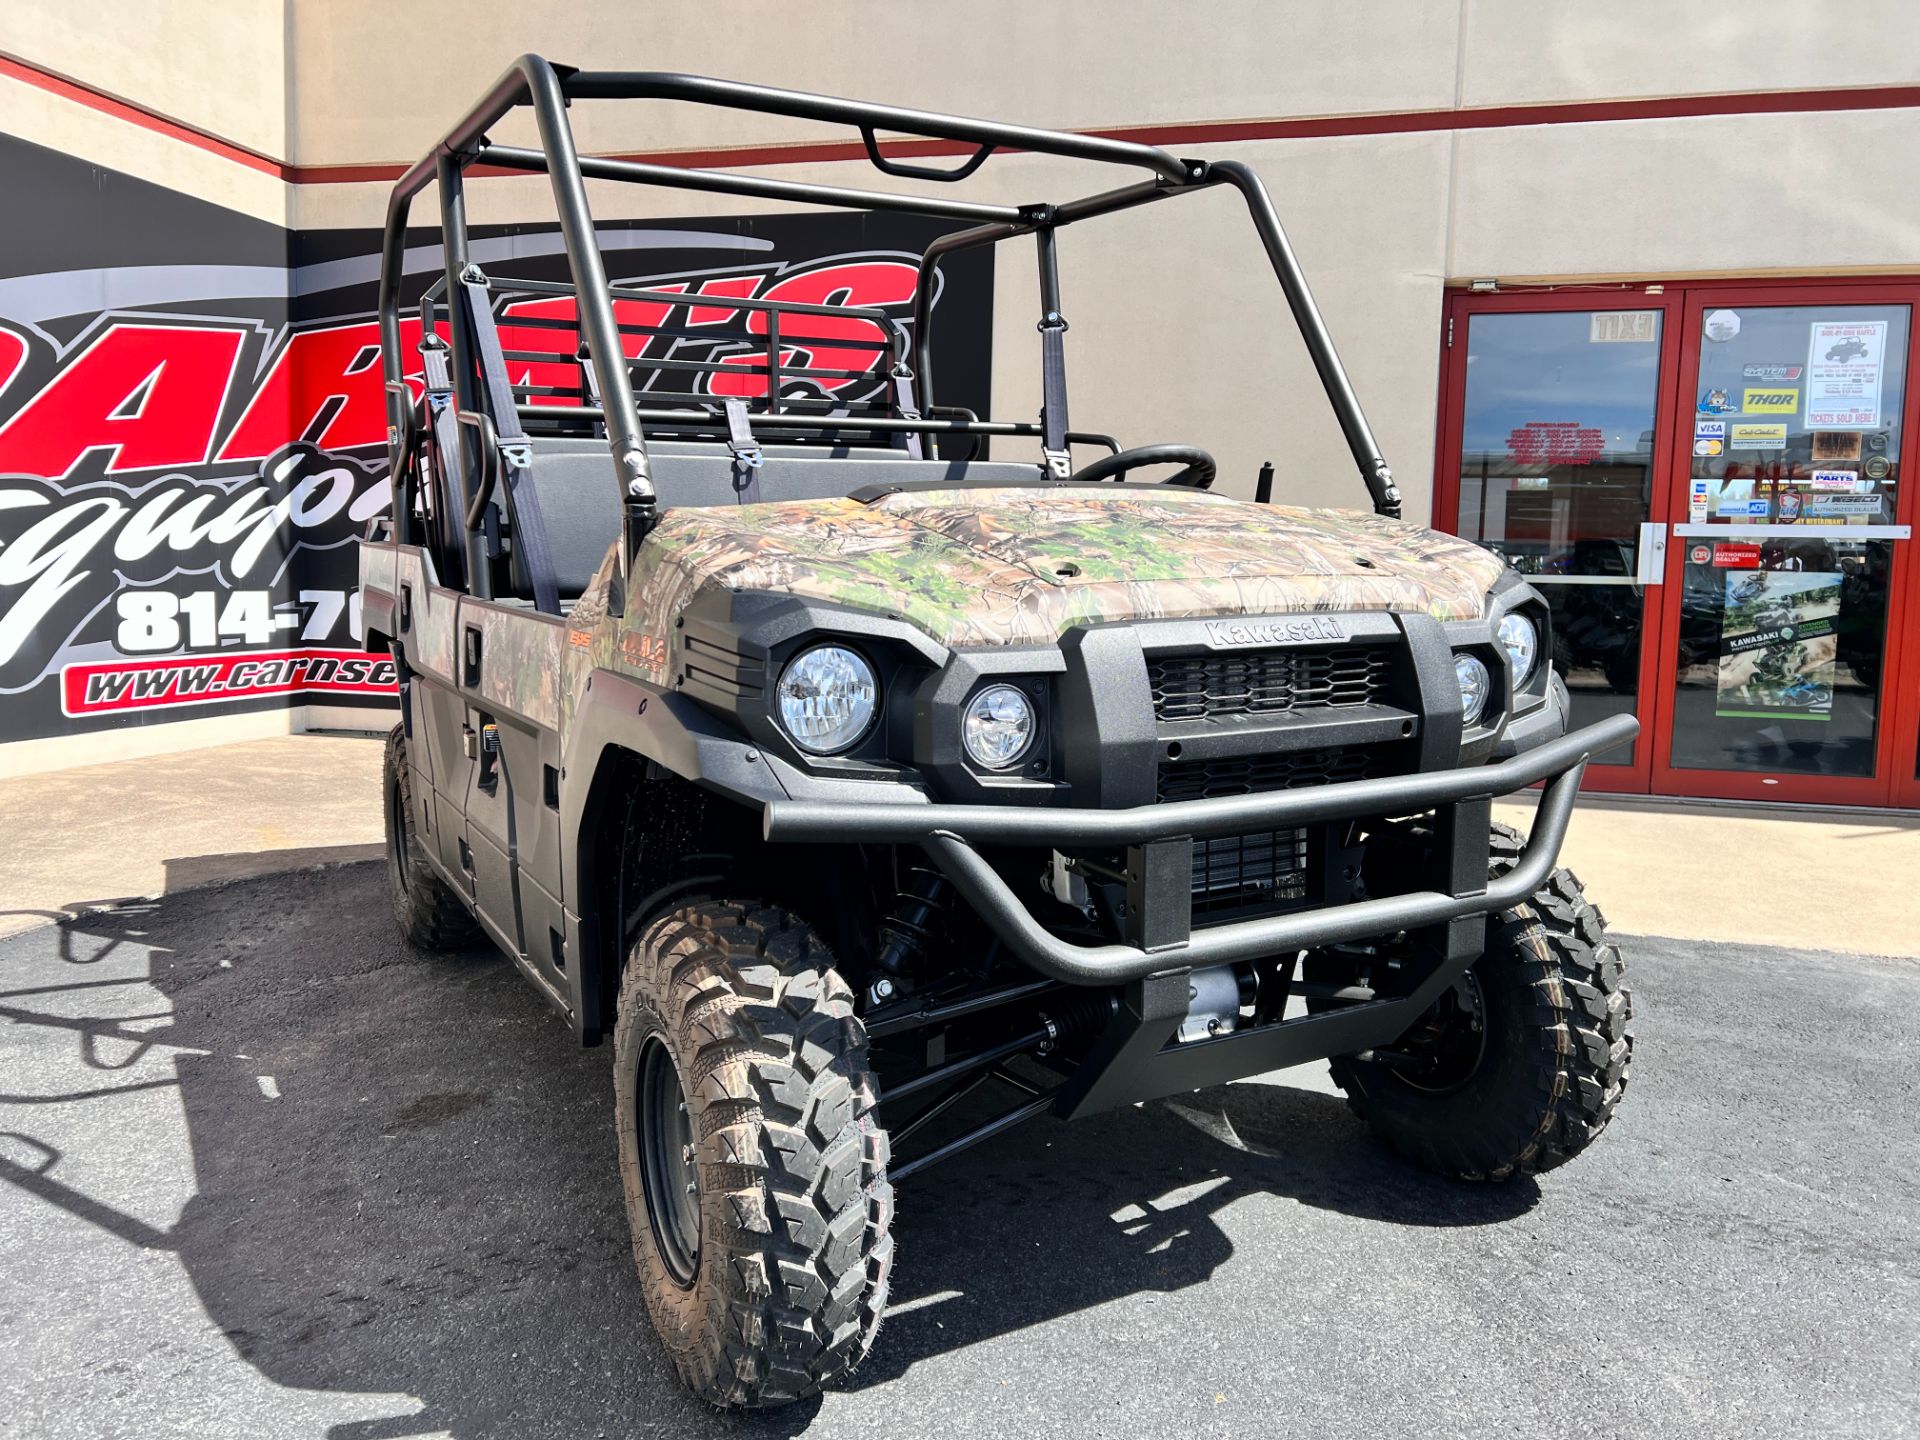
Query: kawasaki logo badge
1232, 634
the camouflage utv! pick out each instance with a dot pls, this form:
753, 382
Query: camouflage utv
848, 777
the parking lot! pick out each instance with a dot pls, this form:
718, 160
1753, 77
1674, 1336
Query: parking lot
270, 1173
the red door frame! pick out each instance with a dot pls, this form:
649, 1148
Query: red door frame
1461, 306
1682, 306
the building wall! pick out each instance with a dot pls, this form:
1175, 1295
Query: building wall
301, 111
1179, 332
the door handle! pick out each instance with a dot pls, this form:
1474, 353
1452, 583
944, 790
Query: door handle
470, 657
1652, 555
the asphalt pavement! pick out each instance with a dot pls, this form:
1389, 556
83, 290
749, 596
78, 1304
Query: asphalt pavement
269, 1173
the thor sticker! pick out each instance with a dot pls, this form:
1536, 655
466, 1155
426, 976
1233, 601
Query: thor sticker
1770, 402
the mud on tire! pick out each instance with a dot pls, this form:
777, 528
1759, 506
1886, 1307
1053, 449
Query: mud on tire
792, 1250
429, 913
1558, 1045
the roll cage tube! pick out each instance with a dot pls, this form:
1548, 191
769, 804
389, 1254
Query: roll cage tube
548, 89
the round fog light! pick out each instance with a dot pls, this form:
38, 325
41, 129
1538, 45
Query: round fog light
1475, 686
826, 698
998, 726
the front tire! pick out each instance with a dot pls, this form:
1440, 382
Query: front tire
1524, 1063
751, 1155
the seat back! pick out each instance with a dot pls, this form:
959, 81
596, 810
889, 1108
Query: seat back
572, 481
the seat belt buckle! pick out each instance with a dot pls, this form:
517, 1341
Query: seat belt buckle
1059, 464
747, 454
740, 437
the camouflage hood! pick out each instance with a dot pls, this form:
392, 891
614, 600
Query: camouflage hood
1021, 566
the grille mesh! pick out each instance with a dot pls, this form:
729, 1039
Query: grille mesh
1194, 687
1239, 873
1256, 774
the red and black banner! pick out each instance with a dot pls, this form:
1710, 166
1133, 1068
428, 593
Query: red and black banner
193, 430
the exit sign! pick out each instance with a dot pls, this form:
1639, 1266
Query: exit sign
1612, 327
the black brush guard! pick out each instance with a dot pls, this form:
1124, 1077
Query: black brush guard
1133, 1060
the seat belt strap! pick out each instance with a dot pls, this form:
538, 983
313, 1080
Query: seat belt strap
446, 433
747, 454
905, 408
529, 530
1053, 396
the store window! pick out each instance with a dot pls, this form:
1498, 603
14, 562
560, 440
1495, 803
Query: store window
1557, 473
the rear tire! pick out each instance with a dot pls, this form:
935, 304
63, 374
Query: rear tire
740, 1070
1542, 1076
430, 914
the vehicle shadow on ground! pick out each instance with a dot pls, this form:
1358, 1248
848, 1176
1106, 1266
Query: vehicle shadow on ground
404, 1179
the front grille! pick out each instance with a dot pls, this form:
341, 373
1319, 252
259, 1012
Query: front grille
1240, 873
1256, 774
1267, 682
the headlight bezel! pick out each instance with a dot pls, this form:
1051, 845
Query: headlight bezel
867, 713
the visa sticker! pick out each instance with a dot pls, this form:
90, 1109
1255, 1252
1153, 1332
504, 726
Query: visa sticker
1709, 429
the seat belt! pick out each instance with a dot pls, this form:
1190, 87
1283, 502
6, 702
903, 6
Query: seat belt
529, 531
903, 404
456, 489
1053, 396
748, 457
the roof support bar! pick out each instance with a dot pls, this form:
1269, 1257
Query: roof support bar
547, 89
758, 187
735, 95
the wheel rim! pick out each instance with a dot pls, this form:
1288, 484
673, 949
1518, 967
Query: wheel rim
1451, 1038
668, 1175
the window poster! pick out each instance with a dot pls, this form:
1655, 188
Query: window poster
1777, 644
1845, 362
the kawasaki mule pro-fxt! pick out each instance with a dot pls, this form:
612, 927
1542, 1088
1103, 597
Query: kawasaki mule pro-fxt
845, 785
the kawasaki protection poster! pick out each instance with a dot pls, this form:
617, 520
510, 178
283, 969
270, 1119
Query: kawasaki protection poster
1777, 644
192, 424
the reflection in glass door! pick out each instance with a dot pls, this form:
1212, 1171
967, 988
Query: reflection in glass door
1784, 547
1556, 456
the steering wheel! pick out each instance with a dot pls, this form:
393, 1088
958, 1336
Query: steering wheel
1201, 467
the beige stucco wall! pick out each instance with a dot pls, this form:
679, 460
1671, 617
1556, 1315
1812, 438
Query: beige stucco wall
1524, 52
219, 65
1075, 63
1179, 333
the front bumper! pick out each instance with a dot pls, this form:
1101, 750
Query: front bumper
1160, 840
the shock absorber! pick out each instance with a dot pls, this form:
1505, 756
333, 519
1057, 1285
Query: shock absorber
905, 934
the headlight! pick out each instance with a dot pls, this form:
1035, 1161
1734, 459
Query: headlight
998, 726
826, 698
1522, 642
1475, 685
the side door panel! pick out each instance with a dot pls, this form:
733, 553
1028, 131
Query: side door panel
427, 614
509, 685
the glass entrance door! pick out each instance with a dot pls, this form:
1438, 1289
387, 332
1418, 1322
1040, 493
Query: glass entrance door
1554, 445
1785, 497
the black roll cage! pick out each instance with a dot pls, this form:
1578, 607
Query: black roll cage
549, 89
